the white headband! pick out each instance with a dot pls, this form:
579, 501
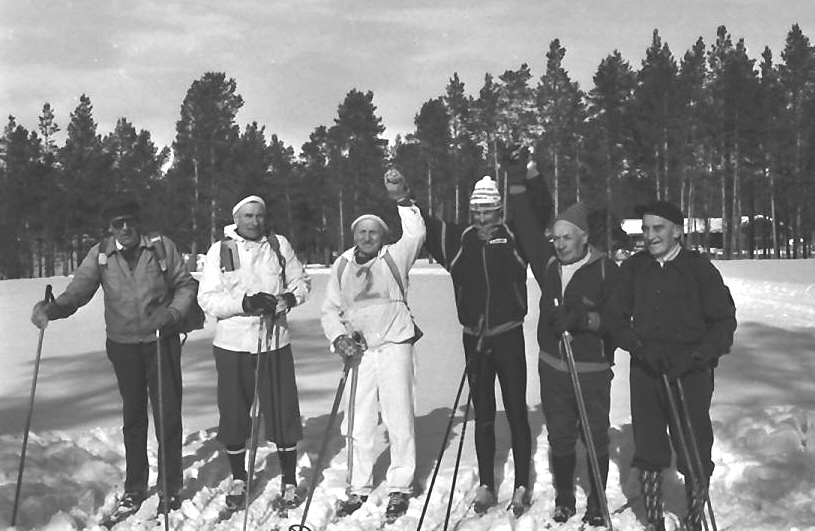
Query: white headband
247, 200
371, 217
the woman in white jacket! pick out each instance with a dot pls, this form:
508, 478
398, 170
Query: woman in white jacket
251, 280
366, 295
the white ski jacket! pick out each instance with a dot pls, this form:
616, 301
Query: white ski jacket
221, 292
367, 298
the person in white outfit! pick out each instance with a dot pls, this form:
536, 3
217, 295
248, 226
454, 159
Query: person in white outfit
366, 297
251, 280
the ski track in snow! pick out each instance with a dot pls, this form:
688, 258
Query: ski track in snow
764, 477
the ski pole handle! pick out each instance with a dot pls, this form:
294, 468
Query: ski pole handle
49, 293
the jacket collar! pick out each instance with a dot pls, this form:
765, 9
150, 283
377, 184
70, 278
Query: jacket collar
109, 245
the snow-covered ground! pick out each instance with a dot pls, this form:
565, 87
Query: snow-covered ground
763, 411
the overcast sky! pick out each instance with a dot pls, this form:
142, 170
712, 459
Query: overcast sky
295, 60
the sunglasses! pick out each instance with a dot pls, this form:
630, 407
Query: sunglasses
119, 223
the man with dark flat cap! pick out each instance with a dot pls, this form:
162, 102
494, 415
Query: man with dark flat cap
673, 313
142, 296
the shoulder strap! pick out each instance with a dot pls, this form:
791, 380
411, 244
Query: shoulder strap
274, 243
341, 265
230, 260
160, 250
395, 271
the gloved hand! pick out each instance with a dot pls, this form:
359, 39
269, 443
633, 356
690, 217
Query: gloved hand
683, 364
161, 318
39, 315
566, 319
347, 348
655, 361
260, 303
396, 185
286, 302
514, 159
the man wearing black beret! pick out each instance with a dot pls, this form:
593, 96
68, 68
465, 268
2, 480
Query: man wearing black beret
673, 313
142, 295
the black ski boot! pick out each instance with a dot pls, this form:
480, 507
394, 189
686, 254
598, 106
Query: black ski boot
166, 504
397, 505
651, 485
351, 505
236, 497
128, 505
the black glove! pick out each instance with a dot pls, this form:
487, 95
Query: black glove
286, 302
260, 303
655, 361
347, 348
513, 159
687, 363
161, 318
565, 319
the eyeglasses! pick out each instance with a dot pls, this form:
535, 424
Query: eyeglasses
119, 223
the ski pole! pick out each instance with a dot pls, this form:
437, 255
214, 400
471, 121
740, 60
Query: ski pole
458, 459
696, 456
443, 446
680, 435
49, 296
566, 340
255, 419
162, 463
352, 397
324, 447
359, 339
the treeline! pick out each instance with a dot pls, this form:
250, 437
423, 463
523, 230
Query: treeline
720, 133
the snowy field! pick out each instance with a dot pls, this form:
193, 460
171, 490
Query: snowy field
763, 412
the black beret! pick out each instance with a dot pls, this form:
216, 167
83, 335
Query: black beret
663, 209
123, 204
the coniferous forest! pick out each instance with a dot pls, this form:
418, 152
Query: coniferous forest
726, 136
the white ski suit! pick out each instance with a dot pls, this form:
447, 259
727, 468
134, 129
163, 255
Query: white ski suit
368, 299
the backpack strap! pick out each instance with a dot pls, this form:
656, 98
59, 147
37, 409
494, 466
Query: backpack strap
230, 260
343, 263
160, 251
395, 272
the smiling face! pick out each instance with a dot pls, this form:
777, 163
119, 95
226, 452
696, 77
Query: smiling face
126, 230
251, 221
570, 242
486, 218
368, 235
660, 234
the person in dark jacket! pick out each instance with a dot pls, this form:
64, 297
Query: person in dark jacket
489, 278
674, 314
576, 283
140, 299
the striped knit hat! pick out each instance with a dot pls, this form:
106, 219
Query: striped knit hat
485, 195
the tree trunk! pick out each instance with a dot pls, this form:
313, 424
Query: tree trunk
194, 207
556, 183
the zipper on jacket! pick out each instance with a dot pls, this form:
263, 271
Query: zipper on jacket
487, 279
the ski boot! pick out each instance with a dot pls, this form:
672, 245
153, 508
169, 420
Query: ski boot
521, 500
397, 505
484, 499
236, 497
351, 505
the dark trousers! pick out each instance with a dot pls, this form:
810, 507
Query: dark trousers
651, 419
137, 375
560, 408
277, 396
504, 356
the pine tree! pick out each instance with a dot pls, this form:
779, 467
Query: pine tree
203, 162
